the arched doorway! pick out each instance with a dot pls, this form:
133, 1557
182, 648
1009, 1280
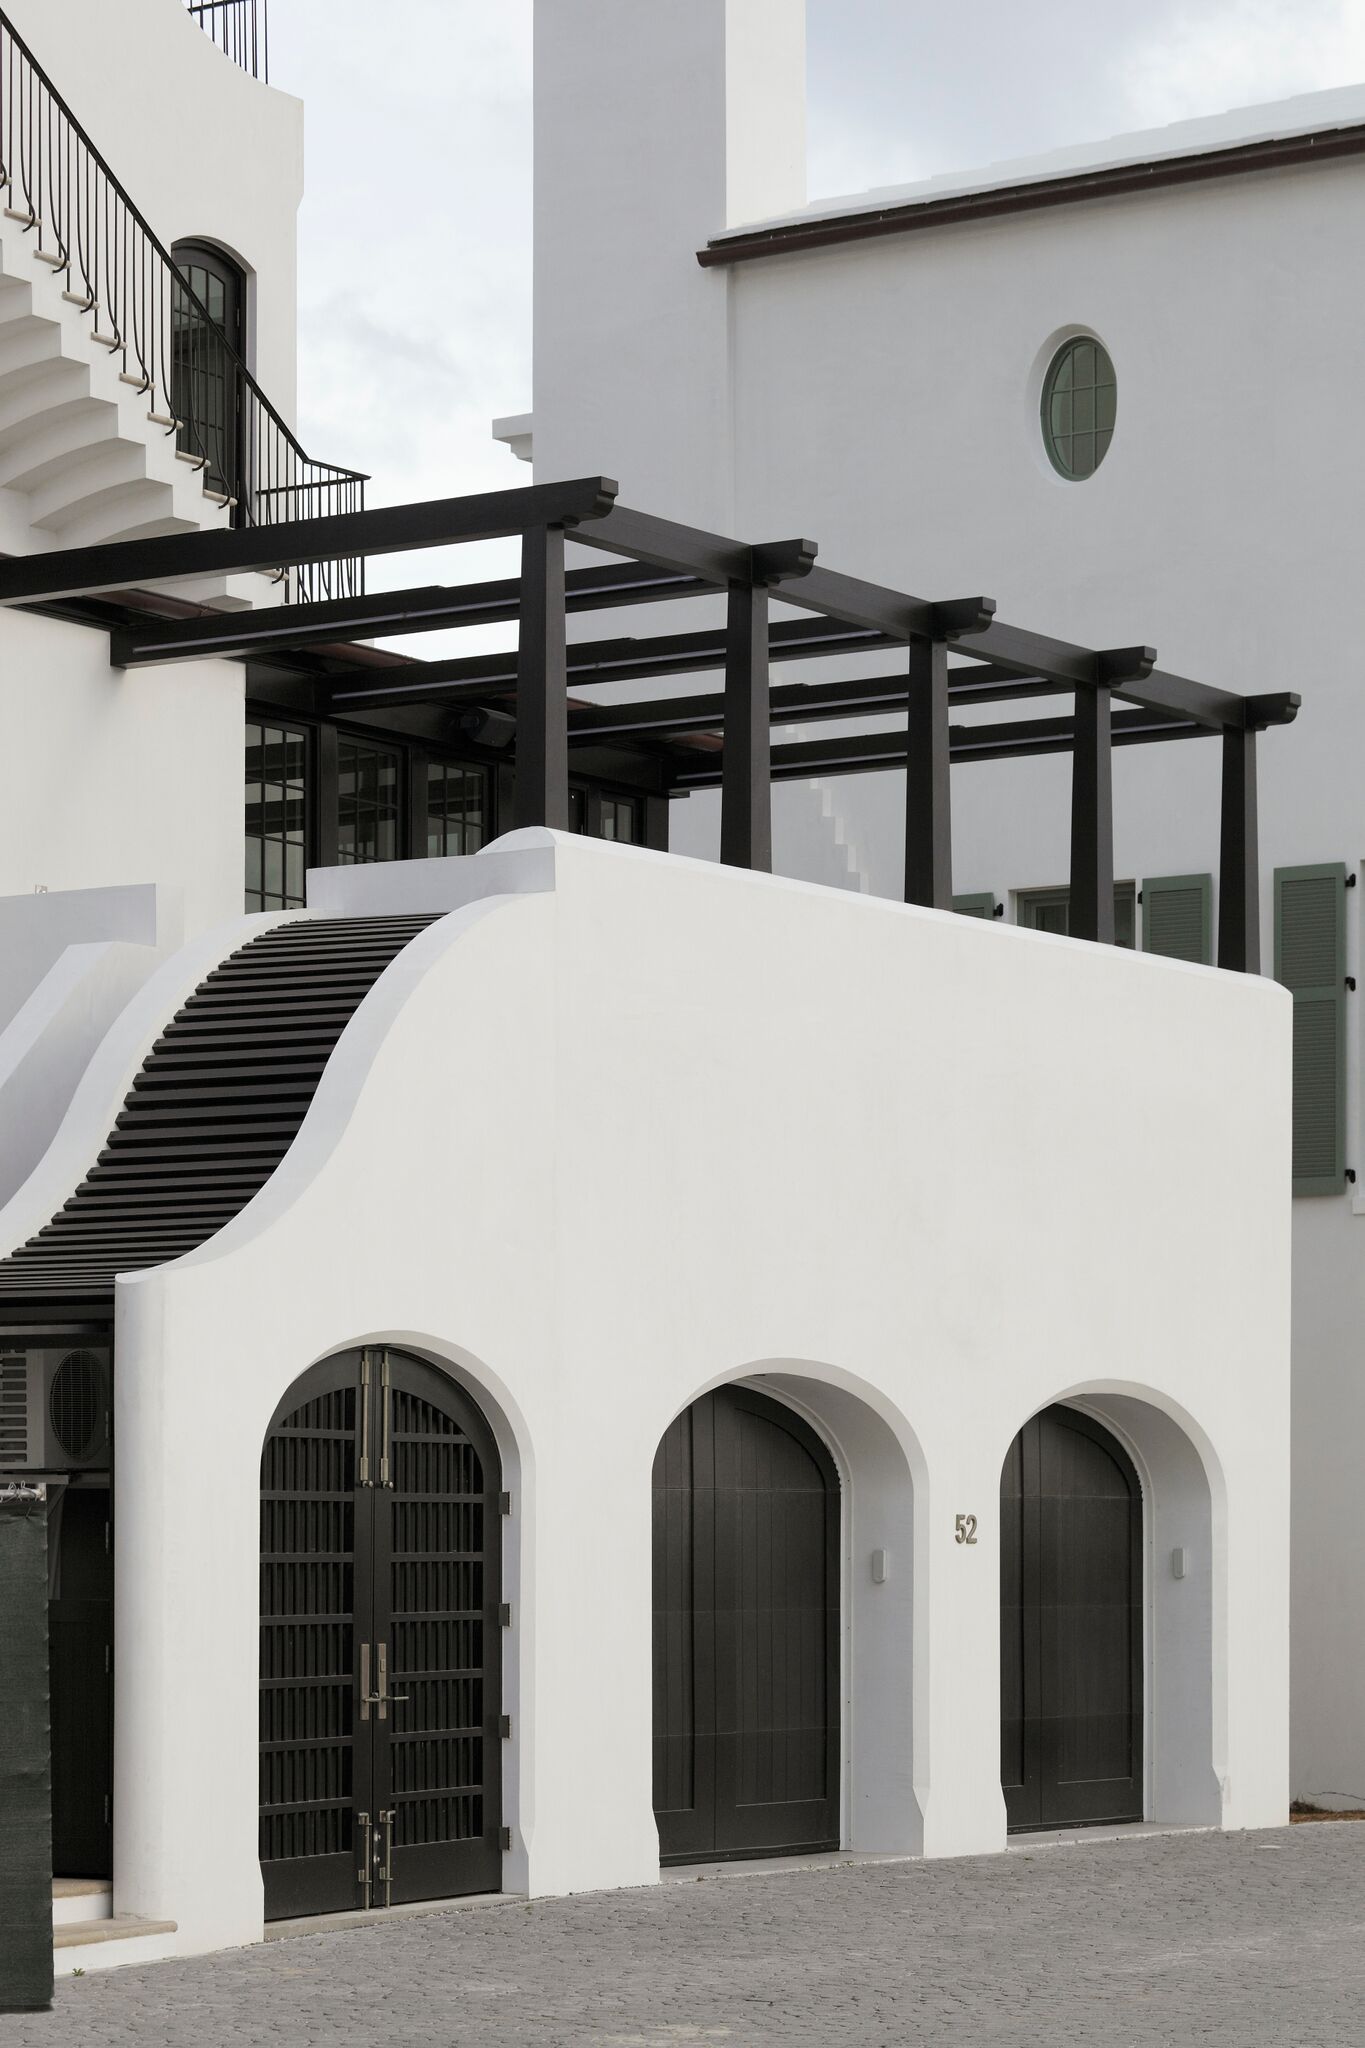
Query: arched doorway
746, 1632
380, 1640
1071, 1604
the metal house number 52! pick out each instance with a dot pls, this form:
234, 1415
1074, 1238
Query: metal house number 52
966, 1529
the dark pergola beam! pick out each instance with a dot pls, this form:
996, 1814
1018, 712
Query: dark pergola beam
589, 662
230, 551
793, 704
384, 613
1129, 671
863, 753
688, 550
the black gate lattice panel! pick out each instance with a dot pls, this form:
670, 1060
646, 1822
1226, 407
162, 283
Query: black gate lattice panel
380, 1640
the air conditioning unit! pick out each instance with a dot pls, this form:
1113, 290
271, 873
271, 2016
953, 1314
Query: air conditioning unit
55, 1407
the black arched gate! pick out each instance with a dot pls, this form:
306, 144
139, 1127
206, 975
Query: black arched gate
380, 1640
1071, 1592
746, 1633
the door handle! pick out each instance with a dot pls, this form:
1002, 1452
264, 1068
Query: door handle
381, 1697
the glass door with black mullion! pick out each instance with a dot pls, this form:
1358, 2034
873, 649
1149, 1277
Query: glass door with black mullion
206, 354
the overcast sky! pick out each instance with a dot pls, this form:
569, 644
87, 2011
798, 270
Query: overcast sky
415, 234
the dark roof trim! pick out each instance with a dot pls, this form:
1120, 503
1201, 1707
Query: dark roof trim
1279, 153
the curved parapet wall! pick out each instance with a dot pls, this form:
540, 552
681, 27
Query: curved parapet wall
216, 1106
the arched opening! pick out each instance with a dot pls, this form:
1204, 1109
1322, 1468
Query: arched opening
380, 1659
207, 329
1071, 1626
746, 1632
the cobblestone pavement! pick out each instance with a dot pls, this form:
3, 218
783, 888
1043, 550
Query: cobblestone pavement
1237, 1939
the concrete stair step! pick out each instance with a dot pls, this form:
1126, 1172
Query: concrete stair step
83, 1900
83, 1945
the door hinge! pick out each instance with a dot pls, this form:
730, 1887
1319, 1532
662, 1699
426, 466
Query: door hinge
108, 1658
504, 1838
505, 1614
363, 1468
108, 1808
384, 1423
505, 1727
504, 1503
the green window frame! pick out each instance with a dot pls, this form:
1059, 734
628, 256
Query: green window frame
1177, 917
1310, 961
1049, 910
1080, 406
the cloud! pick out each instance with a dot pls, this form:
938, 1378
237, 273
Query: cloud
1243, 52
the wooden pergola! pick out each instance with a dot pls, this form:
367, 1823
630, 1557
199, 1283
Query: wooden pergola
933, 656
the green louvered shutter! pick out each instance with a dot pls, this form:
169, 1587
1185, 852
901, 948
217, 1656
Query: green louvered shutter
1310, 959
982, 905
1177, 917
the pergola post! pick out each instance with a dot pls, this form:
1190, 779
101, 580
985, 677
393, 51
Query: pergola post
746, 797
1092, 819
542, 743
928, 805
1239, 908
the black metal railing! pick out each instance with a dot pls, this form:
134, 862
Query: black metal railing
239, 28
58, 189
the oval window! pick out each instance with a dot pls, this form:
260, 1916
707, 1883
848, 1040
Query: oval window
1079, 402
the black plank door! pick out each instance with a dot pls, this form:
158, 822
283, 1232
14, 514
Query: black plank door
746, 1633
81, 1643
380, 1640
1071, 1723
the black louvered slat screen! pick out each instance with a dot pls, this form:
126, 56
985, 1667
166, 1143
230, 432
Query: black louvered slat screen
215, 1108
1310, 959
1177, 917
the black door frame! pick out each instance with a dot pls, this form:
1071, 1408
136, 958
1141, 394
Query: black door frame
1040, 1802
372, 1869
712, 1829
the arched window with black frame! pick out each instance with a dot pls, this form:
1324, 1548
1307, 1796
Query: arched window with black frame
206, 349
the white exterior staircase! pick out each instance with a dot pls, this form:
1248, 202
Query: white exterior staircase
82, 457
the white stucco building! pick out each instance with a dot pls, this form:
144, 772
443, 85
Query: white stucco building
872, 369
552, 1357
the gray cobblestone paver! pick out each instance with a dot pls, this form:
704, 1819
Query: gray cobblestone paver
1234, 1939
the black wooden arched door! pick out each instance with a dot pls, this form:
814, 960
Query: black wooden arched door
746, 1633
380, 1640
1070, 1626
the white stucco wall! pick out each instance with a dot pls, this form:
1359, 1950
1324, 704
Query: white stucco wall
119, 777
873, 1157
883, 396
203, 149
